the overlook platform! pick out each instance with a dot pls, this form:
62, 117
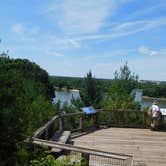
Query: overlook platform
147, 147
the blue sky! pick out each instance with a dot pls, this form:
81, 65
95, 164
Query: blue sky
71, 37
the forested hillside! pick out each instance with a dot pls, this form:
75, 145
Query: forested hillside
77, 82
150, 88
25, 104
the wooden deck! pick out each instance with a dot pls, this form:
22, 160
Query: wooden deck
147, 147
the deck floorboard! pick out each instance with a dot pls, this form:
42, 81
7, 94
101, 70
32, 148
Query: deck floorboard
147, 147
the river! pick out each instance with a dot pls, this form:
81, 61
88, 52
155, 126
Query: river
65, 96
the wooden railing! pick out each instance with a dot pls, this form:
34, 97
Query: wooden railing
74, 121
93, 157
80, 121
124, 118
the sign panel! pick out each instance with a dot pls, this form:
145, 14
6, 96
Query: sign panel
163, 111
88, 110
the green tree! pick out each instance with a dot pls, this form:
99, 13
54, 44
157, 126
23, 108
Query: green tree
91, 92
25, 104
126, 78
122, 85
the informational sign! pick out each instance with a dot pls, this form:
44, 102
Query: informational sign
88, 110
163, 111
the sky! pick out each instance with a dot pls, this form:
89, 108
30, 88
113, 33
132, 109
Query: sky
72, 37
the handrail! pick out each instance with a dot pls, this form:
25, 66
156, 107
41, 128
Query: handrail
39, 131
127, 159
44, 128
80, 149
43, 132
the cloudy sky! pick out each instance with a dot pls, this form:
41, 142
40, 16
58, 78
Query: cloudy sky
71, 37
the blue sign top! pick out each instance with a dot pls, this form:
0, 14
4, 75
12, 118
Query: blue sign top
89, 110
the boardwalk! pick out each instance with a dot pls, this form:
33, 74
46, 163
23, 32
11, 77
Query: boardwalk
148, 147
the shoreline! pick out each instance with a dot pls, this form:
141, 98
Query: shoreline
65, 89
154, 98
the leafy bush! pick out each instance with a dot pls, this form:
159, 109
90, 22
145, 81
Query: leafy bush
49, 160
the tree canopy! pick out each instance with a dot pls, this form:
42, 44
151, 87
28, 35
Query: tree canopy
120, 88
91, 92
25, 104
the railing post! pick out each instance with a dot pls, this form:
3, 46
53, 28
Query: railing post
85, 157
46, 134
61, 124
81, 125
126, 117
96, 120
49, 132
110, 116
144, 119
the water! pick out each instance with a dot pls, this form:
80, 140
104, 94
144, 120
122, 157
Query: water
147, 101
65, 96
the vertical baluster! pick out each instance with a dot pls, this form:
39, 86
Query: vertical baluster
110, 116
96, 120
126, 117
61, 124
81, 125
144, 119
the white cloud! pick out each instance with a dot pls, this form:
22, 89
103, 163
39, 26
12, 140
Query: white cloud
82, 16
105, 56
79, 16
126, 28
62, 42
147, 51
83, 21
22, 32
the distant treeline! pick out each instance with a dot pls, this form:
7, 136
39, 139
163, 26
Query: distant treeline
76, 82
149, 88
153, 89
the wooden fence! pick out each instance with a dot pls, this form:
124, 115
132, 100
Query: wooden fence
79, 122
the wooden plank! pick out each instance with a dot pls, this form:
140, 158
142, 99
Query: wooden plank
147, 147
62, 139
81, 149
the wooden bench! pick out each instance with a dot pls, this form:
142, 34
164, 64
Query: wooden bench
61, 137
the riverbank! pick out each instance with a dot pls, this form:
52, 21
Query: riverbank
154, 98
65, 89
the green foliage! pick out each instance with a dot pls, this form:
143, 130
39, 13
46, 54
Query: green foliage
66, 82
77, 83
77, 103
120, 89
49, 160
153, 89
25, 105
126, 80
91, 92
121, 118
46, 161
